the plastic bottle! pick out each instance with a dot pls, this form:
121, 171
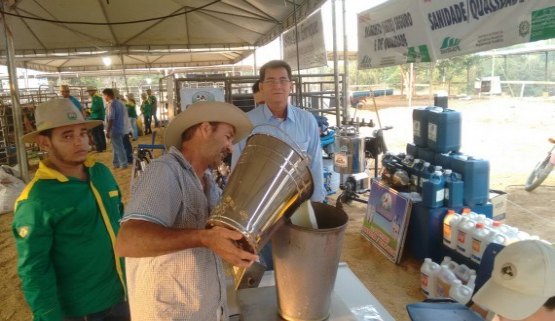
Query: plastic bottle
450, 223
464, 235
450, 264
480, 240
464, 273
445, 279
454, 189
433, 190
428, 277
417, 167
460, 292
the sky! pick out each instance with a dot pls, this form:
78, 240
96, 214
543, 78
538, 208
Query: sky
353, 7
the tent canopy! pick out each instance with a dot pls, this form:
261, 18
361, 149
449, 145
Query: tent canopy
166, 33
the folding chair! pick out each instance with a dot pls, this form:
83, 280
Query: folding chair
448, 309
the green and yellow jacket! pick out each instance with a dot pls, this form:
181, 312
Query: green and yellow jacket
65, 230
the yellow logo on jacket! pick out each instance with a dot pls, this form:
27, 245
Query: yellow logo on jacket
23, 231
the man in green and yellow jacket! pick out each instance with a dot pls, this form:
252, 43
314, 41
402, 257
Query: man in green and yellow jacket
97, 113
65, 225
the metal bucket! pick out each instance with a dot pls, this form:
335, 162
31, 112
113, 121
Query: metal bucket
349, 157
305, 263
271, 179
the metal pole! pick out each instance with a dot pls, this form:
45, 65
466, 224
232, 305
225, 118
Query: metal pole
335, 68
17, 114
124, 75
346, 65
255, 67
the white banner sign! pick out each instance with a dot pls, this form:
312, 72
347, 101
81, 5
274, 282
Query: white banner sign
311, 47
192, 95
420, 31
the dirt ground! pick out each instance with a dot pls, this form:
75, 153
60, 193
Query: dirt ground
511, 133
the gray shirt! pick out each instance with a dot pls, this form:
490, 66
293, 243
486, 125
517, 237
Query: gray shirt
184, 285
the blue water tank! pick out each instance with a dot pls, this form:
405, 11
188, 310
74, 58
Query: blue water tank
475, 174
425, 232
444, 130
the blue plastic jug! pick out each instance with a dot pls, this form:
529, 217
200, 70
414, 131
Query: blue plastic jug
442, 159
420, 126
454, 189
433, 190
444, 130
475, 174
425, 174
412, 150
414, 174
426, 154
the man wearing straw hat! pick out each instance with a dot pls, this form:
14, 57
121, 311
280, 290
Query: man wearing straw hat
97, 113
65, 224
173, 263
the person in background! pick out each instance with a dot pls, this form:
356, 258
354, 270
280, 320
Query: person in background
522, 283
173, 262
127, 130
146, 110
65, 225
115, 118
64, 91
97, 113
288, 123
257, 94
154, 105
132, 113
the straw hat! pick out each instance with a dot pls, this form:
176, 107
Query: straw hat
91, 88
58, 113
207, 111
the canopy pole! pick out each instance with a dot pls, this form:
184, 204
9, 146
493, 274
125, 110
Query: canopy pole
346, 65
124, 75
255, 67
16, 108
335, 66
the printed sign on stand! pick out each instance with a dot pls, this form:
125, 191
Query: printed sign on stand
386, 221
193, 95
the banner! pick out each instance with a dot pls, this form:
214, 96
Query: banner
312, 50
192, 95
427, 30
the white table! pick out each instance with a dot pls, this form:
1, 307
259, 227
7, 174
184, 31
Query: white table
348, 288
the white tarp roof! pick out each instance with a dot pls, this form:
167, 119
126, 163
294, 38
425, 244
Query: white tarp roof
185, 33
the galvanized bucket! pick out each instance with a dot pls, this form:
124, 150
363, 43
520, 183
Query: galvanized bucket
270, 180
305, 263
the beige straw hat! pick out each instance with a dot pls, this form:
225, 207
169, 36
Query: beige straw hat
58, 113
207, 111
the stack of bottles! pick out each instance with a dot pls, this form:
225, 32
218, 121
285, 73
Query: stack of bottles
469, 233
437, 141
448, 279
437, 185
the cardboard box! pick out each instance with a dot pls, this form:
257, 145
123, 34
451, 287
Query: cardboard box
499, 201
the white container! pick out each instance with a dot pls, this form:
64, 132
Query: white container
445, 279
449, 263
450, 223
428, 278
464, 236
464, 273
498, 238
480, 240
460, 292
